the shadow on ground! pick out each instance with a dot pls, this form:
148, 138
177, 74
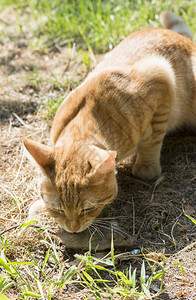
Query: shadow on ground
20, 108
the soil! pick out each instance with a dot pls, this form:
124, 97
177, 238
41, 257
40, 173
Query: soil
152, 212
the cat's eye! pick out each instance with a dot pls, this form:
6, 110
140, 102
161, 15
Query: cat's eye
86, 210
59, 211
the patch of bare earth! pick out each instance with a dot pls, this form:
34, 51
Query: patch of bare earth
152, 211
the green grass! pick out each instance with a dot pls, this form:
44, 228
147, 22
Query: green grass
30, 278
50, 105
97, 24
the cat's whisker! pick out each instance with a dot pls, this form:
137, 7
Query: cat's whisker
89, 202
103, 222
111, 226
89, 229
100, 233
123, 200
107, 225
98, 205
115, 226
98, 230
113, 218
95, 229
120, 232
103, 225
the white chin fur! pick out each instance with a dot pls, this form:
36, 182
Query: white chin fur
36, 208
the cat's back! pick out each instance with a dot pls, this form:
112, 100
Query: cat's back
179, 52
164, 42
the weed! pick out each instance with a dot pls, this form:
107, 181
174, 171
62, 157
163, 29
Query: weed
98, 25
30, 278
49, 106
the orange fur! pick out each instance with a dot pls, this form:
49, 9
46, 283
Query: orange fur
141, 90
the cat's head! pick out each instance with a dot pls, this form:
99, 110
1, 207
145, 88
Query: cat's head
77, 184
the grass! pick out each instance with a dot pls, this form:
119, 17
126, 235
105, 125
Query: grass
101, 277
30, 279
95, 24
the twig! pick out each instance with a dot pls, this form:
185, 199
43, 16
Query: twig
6, 219
140, 229
158, 181
172, 230
21, 162
6, 189
133, 216
22, 122
185, 249
31, 225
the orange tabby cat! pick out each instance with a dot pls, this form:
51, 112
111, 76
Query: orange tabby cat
142, 89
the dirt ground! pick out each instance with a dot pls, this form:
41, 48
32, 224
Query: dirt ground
151, 211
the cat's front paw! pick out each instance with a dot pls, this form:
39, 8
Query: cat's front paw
146, 171
36, 208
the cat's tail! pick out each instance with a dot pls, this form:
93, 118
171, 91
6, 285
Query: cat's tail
174, 23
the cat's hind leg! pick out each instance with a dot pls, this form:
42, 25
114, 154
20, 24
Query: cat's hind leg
157, 89
147, 165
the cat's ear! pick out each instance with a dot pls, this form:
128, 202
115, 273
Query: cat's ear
42, 155
105, 168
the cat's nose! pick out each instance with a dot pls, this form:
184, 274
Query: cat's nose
74, 227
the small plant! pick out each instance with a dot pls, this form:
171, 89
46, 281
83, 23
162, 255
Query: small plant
188, 215
122, 283
50, 106
30, 278
191, 218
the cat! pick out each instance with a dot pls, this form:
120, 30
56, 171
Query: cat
141, 90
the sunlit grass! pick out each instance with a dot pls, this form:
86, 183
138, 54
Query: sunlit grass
95, 23
30, 278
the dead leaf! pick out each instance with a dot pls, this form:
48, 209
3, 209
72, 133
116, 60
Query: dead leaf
188, 208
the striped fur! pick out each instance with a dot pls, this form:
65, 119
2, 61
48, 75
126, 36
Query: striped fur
142, 89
